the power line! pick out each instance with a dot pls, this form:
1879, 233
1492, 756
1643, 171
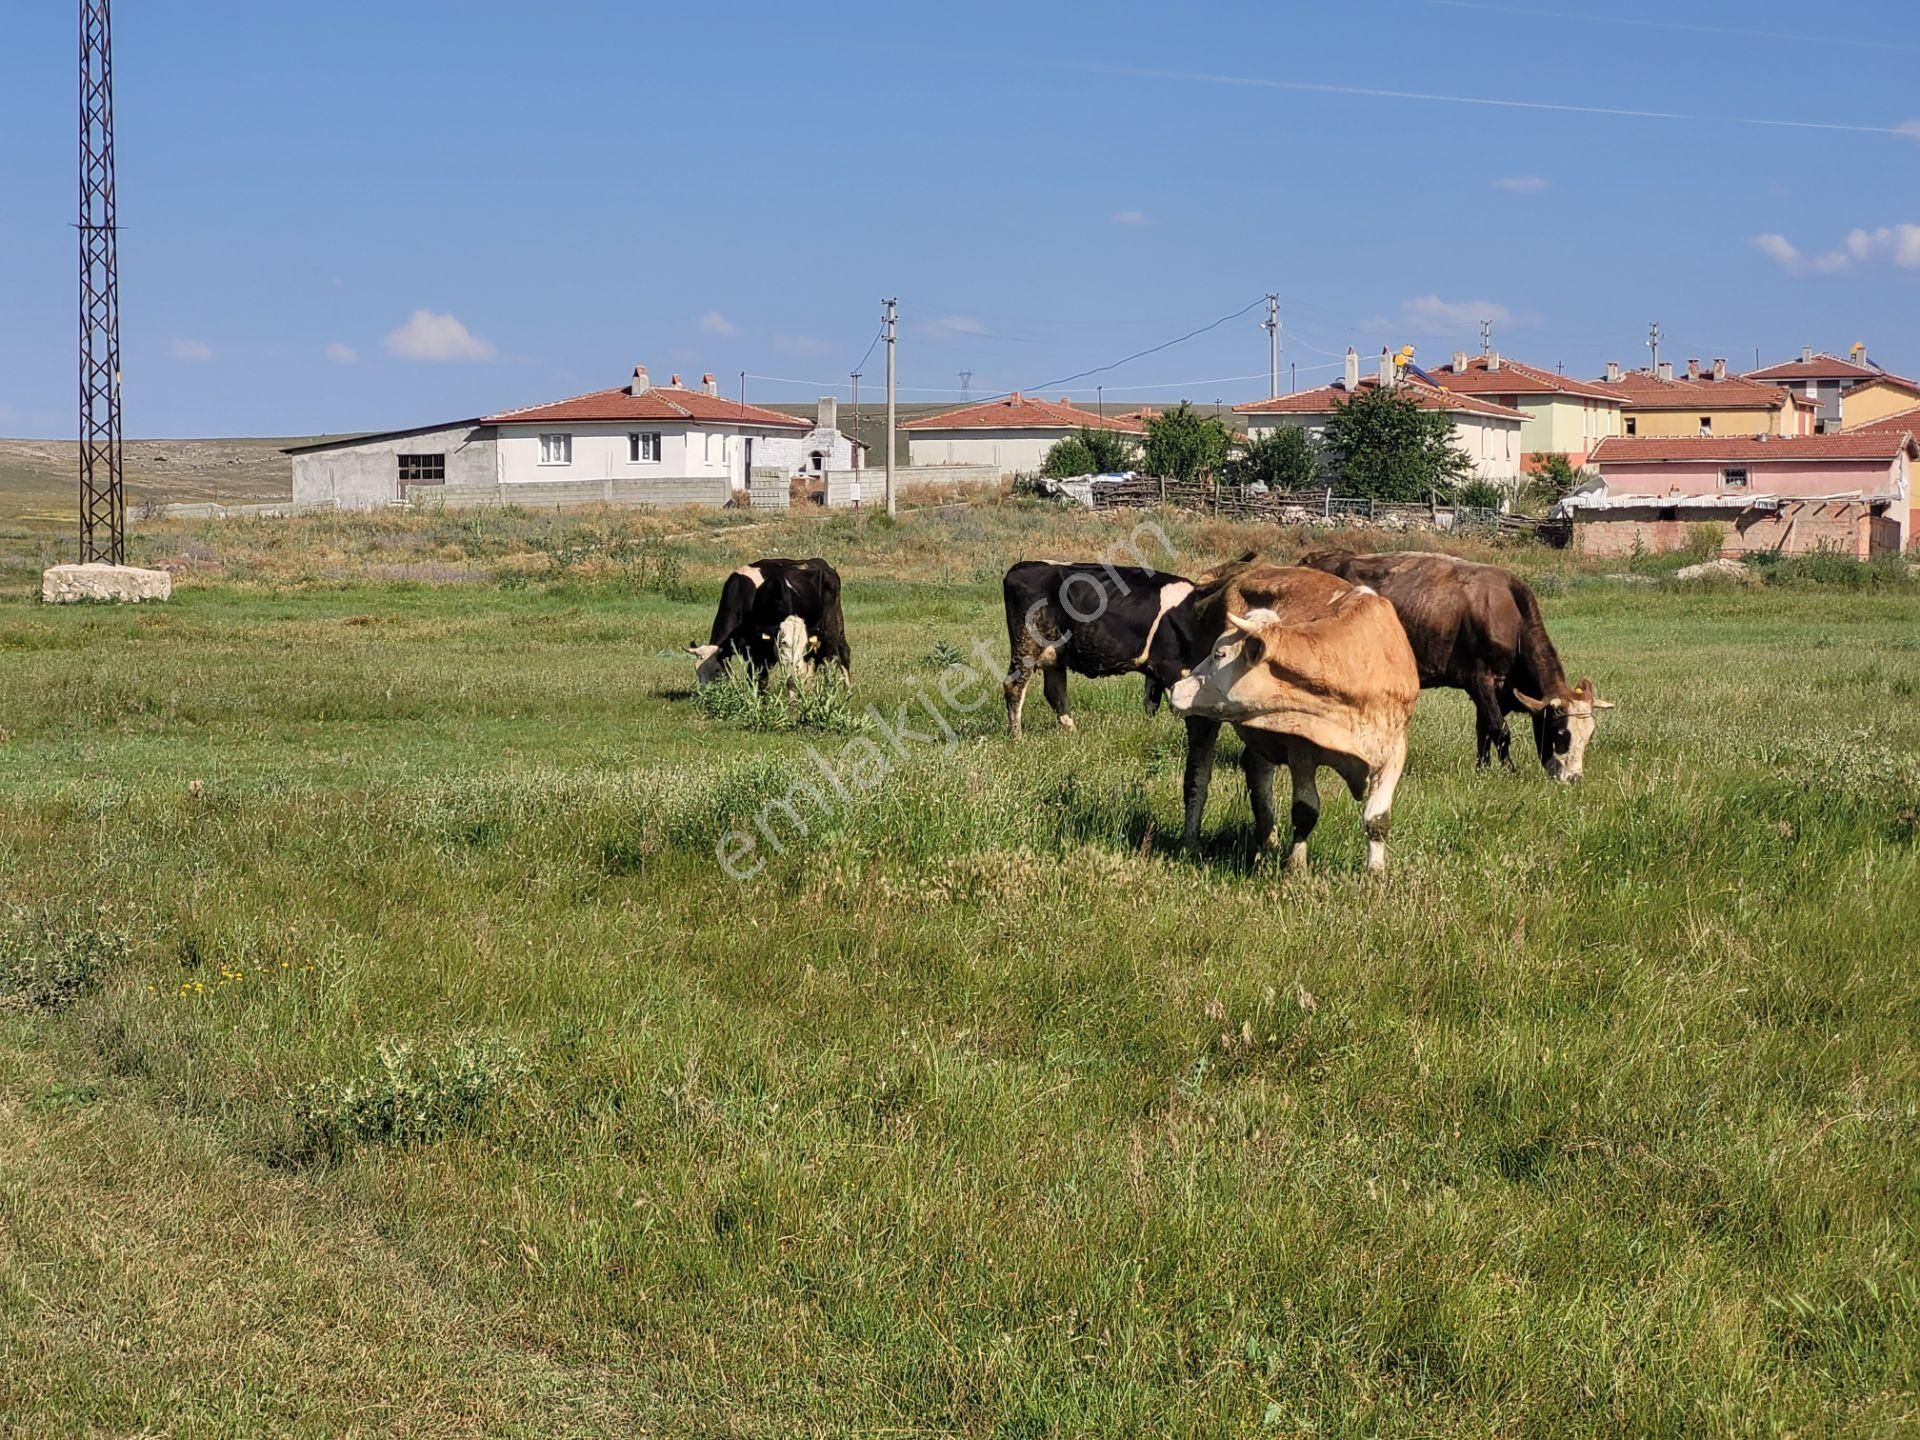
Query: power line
1150, 350
1673, 25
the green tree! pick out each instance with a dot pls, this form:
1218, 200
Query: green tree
1091, 452
1381, 444
1550, 477
1183, 444
1283, 459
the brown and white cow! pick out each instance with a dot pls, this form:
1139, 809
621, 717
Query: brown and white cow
1478, 628
1310, 671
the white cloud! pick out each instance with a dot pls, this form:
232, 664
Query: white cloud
194, 350
1434, 313
342, 354
1895, 244
800, 345
428, 336
949, 327
714, 323
1130, 217
1520, 184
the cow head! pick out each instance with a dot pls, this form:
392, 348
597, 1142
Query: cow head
793, 647
709, 664
1562, 727
1227, 684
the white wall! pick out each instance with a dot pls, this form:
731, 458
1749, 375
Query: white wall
687, 451
1011, 452
365, 474
1491, 443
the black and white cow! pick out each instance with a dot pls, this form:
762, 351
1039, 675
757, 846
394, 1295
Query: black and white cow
776, 612
1093, 619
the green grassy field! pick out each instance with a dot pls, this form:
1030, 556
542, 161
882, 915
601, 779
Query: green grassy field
384, 1052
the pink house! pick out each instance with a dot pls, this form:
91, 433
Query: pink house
1792, 493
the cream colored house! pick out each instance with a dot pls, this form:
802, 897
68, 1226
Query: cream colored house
1011, 434
1486, 433
1876, 399
1663, 404
1564, 417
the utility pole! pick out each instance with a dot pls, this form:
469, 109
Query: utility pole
892, 330
966, 384
1100, 398
855, 377
1293, 377
103, 496
1272, 326
1653, 344
1486, 337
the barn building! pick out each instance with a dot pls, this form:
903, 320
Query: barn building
639, 443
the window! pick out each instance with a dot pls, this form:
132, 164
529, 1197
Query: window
423, 469
1734, 477
1633, 426
1706, 424
556, 449
643, 448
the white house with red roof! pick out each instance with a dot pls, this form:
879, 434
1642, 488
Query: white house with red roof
1011, 434
1486, 432
639, 444
1564, 416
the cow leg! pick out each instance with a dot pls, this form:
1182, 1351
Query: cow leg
1154, 691
1053, 680
1259, 772
1306, 803
1201, 735
1377, 806
1491, 722
1019, 676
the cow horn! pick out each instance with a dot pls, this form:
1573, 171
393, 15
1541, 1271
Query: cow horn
1536, 706
1243, 624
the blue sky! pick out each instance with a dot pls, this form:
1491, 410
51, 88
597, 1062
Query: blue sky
386, 212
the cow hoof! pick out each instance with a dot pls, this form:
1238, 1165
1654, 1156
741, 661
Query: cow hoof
1297, 859
1066, 723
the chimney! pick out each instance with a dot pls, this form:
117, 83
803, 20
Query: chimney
1459, 362
638, 386
1353, 370
1386, 368
1493, 362
829, 413
1693, 369
1665, 371
1806, 354
709, 384
1066, 399
1613, 372
675, 382
1720, 367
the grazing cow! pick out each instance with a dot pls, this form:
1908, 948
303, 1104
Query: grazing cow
1477, 628
776, 612
1310, 671
1094, 619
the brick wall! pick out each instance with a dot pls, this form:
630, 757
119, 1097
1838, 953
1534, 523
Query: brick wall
1797, 527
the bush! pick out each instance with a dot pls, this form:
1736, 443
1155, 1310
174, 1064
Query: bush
409, 1096
1705, 540
1183, 444
1091, 452
1382, 445
47, 964
1283, 459
1481, 495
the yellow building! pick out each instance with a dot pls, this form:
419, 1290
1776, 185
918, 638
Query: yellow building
1876, 399
1706, 402
1564, 417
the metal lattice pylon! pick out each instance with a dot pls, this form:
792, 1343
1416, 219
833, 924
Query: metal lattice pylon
103, 501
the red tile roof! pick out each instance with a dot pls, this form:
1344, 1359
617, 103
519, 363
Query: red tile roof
1644, 390
1851, 445
1822, 367
1515, 378
1908, 420
1323, 401
660, 402
1023, 412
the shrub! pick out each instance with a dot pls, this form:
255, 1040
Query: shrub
818, 702
1091, 452
1383, 445
1705, 539
409, 1096
1183, 444
1481, 495
47, 964
1283, 459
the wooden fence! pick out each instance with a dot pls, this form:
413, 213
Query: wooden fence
1317, 508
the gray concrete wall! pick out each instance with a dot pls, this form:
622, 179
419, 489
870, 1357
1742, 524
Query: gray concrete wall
365, 474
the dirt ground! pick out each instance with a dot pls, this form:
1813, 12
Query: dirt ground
39, 479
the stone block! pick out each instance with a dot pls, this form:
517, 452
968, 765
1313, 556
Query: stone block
70, 584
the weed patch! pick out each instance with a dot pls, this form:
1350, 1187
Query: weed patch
409, 1096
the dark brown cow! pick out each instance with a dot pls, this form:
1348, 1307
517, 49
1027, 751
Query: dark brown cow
1477, 628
